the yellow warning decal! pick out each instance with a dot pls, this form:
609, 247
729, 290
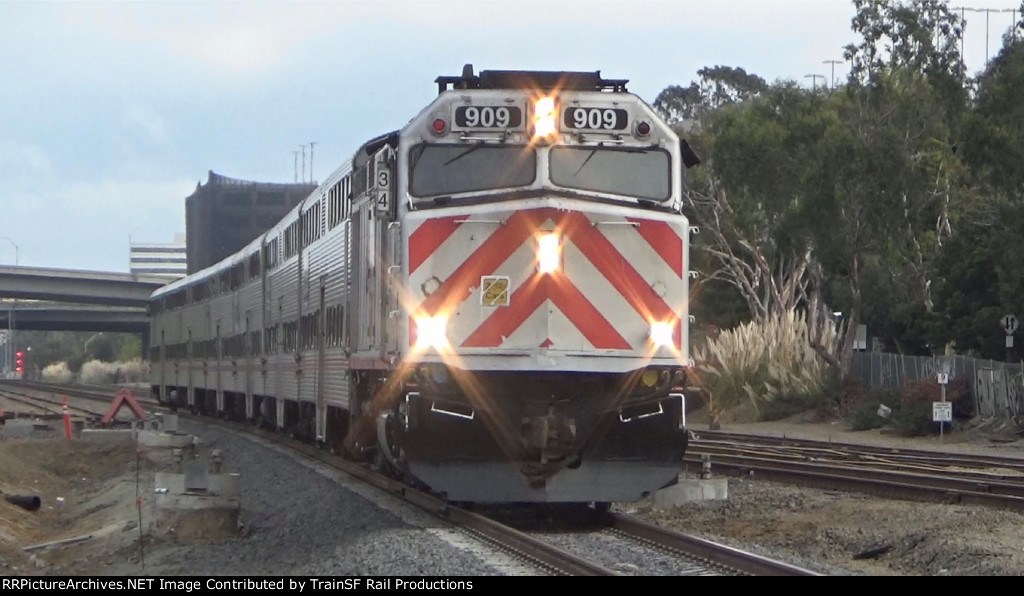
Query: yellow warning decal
494, 290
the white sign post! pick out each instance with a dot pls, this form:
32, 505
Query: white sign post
942, 411
1009, 324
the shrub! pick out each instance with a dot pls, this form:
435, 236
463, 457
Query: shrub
914, 419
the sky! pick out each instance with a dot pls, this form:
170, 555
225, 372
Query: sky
111, 113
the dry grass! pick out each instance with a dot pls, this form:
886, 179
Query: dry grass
759, 363
96, 372
58, 372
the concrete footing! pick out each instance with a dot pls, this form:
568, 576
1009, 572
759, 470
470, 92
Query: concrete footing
689, 490
197, 505
156, 438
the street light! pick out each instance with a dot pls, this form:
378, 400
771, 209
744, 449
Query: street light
814, 79
15, 249
988, 12
833, 63
85, 346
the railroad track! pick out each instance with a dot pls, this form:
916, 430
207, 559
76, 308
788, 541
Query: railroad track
852, 451
552, 554
934, 476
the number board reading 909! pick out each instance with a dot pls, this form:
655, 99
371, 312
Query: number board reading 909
595, 118
488, 117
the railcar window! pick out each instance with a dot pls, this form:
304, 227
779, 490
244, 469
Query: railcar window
254, 265
640, 173
270, 255
340, 199
450, 169
237, 276
290, 331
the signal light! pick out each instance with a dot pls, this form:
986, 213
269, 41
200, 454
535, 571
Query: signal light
439, 126
643, 128
19, 361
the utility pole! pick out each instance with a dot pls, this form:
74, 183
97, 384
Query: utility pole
833, 63
988, 12
303, 162
814, 80
311, 143
10, 316
296, 154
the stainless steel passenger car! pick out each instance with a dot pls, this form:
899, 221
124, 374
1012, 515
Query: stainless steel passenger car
491, 301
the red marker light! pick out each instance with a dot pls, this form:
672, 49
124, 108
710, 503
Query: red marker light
643, 129
439, 126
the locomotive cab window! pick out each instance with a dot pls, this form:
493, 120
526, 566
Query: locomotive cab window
641, 173
450, 169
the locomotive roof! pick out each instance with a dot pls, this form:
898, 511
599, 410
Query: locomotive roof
530, 79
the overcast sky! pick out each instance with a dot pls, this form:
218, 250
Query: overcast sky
113, 112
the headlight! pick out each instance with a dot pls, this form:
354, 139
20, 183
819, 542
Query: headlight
545, 118
661, 334
547, 253
430, 332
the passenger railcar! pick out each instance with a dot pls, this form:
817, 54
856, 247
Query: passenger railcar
491, 301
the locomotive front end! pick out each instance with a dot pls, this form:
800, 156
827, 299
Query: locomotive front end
544, 293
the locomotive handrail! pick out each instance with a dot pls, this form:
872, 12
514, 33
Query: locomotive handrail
660, 411
635, 224
479, 137
500, 222
611, 139
434, 408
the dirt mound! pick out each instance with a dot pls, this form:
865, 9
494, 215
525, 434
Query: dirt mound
87, 492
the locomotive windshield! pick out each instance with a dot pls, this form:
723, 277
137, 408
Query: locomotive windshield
449, 169
642, 173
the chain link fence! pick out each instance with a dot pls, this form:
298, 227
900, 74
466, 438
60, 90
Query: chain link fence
996, 387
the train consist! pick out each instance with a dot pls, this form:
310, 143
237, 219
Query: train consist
491, 301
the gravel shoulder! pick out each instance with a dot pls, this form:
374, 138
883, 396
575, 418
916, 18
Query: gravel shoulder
842, 533
297, 520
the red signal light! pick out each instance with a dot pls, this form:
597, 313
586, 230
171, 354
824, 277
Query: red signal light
19, 361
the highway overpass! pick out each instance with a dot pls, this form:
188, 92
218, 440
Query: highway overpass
33, 298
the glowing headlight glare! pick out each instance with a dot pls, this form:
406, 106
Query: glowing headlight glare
661, 334
430, 332
547, 253
544, 117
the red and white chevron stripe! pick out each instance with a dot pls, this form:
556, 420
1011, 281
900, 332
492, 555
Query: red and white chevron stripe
617, 275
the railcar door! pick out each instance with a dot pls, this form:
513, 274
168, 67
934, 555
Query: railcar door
251, 345
190, 353
369, 227
320, 321
391, 249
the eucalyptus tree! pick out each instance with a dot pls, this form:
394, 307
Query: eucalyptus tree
897, 177
983, 269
